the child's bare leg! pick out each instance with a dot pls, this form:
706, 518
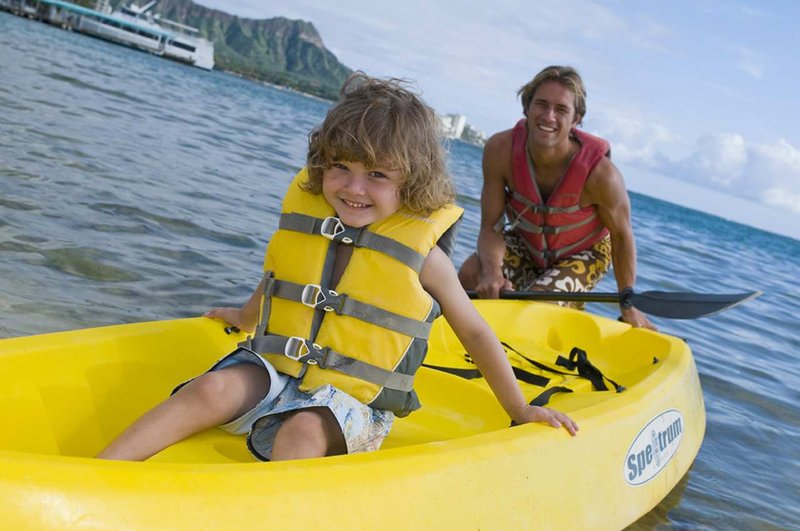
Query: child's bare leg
312, 432
209, 400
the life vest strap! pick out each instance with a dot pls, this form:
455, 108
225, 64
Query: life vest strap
333, 229
543, 209
527, 226
307, 352
266, 303
551, 256
319, 298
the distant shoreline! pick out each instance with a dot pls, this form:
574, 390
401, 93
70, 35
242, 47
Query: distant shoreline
285, 88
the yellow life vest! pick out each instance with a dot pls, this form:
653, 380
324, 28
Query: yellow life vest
369, 336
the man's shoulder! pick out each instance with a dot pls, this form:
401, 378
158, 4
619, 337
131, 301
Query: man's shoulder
605, 170
501, 141
605, 181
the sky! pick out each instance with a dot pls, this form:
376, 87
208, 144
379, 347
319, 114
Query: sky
700, 99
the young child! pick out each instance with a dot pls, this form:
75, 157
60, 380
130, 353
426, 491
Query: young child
354, 277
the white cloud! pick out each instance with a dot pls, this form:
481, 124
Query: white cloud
635, 138
765, 173
719, 160
775, 174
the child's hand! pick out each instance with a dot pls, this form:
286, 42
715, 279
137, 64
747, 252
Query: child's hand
544, 414
232, 316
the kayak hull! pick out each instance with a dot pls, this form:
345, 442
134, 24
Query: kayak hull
454, 464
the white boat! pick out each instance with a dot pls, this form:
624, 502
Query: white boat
137, 27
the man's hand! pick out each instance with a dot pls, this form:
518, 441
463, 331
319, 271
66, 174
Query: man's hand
637, 319
490, 285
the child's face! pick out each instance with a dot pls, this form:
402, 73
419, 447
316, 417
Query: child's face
361, 196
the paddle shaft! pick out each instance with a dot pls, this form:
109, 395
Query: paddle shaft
555, 296
670, 304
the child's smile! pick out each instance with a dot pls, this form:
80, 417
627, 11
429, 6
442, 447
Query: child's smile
360, 195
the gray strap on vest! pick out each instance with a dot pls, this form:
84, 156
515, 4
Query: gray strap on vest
527, 226
551, 256
266, 303
316, 297
333, 229
307, 352
543, 209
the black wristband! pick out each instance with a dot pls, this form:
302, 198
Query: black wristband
625, 298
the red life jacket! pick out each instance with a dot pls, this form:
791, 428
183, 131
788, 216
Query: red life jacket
558, 227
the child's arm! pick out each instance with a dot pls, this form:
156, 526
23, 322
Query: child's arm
440, 279
244, 318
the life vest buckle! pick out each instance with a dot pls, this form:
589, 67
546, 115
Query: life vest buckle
332, 227
314, 296
298, 349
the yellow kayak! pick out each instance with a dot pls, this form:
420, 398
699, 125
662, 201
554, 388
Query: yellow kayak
454, 464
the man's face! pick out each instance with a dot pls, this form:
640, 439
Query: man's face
551, 114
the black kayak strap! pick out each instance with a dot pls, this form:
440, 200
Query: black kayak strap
467, 374
534, 362
578, 359
544, 397
471, 374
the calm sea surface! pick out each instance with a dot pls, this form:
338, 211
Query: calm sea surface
133, 188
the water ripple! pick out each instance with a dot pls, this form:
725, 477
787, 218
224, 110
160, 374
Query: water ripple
78, 83
86, 262
174, 225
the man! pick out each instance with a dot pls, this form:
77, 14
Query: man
567, 208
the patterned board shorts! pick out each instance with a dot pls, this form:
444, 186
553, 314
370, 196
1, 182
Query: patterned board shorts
364, 428
578, 272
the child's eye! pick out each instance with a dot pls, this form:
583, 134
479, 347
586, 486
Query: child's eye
338, 165
378, 175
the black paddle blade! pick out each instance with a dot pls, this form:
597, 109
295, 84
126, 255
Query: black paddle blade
685, 305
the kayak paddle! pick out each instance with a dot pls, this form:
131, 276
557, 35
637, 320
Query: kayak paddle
669, 304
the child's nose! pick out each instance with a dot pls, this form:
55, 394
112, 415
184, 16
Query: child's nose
356, 183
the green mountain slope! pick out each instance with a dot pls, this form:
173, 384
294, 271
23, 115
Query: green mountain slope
276, 50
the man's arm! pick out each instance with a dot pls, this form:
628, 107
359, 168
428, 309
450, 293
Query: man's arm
605, 188
491, 243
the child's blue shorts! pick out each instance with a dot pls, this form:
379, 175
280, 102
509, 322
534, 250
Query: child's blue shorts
364, 428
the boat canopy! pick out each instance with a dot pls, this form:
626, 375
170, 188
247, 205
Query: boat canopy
102, 16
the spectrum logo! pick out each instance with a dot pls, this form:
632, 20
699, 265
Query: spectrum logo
653, 447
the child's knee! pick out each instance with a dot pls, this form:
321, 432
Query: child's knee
309, 433
206, 388
306, 424
233, 385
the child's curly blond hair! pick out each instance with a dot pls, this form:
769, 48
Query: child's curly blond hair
382, 123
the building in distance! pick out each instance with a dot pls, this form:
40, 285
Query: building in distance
456, 126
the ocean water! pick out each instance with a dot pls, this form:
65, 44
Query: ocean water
133, 188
